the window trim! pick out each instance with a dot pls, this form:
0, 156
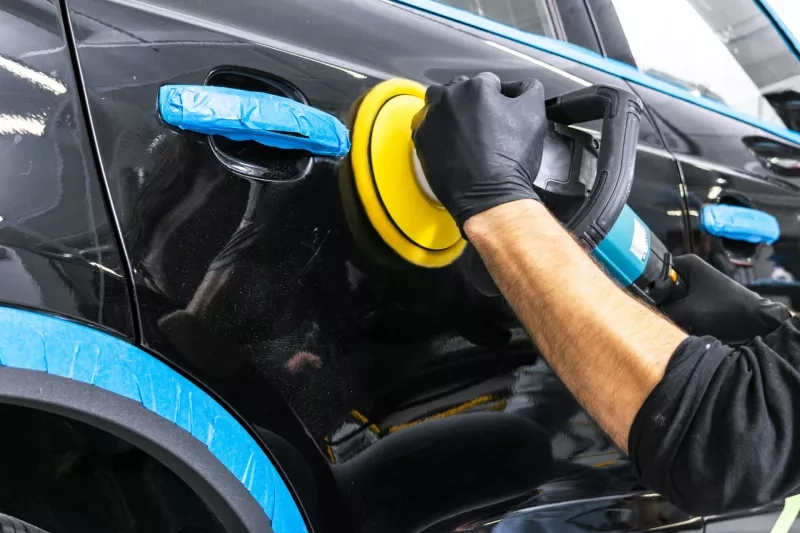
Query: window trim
576, 19
558, 22
788, 37
598, 62
615, 43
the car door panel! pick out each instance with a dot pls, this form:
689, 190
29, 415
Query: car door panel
717, 147
718, 166
713, 121
259, 289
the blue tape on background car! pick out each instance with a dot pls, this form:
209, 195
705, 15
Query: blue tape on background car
625, 249
593, 60
252, 116
739, 223
40, 342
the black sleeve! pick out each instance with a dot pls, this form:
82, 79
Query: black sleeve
721, 431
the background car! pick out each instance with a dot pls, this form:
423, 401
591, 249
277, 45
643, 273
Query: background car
194, 337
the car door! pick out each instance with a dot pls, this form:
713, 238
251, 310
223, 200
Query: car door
718, 78
719, 91
250, 275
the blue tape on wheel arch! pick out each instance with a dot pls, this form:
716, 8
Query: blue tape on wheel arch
626, 248
252, 116
739, 223
62, 348
594, 60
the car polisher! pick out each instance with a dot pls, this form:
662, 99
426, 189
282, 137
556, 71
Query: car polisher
585, 184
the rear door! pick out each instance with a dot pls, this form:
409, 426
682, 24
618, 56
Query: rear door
255, 283
720, 81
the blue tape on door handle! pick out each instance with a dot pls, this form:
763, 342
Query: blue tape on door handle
739, 223
59, 347
252, 116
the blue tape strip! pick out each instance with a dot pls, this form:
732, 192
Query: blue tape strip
788, 37
739, 223
594, 60
626, 248
251, 116
40, 342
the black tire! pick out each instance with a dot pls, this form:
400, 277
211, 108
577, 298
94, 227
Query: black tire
9, 524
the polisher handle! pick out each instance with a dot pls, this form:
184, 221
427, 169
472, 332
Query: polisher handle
621, 112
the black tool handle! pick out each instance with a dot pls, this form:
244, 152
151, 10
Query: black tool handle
621, 112
668, 286
677, 290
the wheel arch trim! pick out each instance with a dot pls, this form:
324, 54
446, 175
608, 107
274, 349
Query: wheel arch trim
60, 366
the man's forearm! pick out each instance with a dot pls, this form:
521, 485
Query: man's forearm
609, 349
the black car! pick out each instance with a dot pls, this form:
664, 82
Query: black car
194, 339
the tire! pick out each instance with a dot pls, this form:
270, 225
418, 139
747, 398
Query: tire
9, 524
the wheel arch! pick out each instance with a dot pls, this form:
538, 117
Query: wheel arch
76, 371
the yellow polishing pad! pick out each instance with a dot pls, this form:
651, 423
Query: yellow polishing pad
412, 223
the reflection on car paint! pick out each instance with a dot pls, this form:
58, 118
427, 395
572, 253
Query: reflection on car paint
411, 399
34, 76
59, 248
261, 290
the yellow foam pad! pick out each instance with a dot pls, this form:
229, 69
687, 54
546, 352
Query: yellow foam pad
419, 229
424, 221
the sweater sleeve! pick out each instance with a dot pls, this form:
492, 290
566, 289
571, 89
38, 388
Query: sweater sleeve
721, 431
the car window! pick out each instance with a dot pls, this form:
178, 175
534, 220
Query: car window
724, 50
526, 15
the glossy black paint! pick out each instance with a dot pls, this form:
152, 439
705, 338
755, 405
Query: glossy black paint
634, 512
261, 291
276, 295
723, 160
57, 244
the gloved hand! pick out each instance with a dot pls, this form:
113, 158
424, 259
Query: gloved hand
480, 142
718, 306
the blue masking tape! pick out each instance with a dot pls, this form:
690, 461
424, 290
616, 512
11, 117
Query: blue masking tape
595, 61
252, 116
787, 36
40, 342
739, 223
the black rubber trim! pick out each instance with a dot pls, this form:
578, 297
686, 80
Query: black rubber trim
183, 454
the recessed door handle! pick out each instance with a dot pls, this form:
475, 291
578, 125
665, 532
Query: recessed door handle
252, 116
257, 134
775, 156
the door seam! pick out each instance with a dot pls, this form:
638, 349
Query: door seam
127, 267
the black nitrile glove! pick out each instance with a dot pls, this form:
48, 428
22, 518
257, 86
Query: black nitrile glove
718, 306
480, 142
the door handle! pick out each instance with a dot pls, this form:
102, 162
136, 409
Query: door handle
740, 231
257, 134
777, 157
